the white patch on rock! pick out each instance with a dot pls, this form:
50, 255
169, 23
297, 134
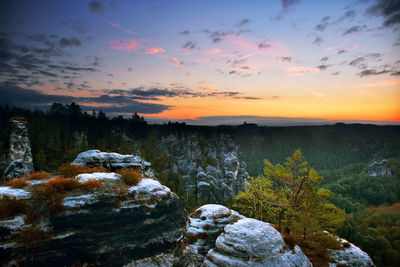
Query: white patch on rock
79, 201
350, 256
101, 176
14, 224
250, 242
13, 192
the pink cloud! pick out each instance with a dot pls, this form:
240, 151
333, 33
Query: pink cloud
116, 25
155, 50
125, 45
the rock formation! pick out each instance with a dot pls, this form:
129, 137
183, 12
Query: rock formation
211, 167
351, 255
381, 168
20, 156
105, 228
111, 161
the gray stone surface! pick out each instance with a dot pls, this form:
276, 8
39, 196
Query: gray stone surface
112, 161
379, 168
102, 229
20, 156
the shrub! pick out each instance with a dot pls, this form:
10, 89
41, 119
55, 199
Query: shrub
131, 176
91, 184
17, 183
39, 175
10, 206
30, 236
69, 170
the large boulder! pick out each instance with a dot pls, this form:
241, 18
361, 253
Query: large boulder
20, 156
379, 168
250, 242
205, 225
108, 227
350, 255
111, 161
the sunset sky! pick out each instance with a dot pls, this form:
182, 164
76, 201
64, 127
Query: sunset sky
205, 62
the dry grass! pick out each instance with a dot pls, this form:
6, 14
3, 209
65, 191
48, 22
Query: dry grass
17, 183
30, 236
91, 184
62, 184
69, 170
11, 206
131, 176
39, 175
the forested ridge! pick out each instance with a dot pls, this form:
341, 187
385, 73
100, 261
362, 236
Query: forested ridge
339, 153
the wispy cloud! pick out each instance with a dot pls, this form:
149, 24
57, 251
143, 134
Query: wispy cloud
155, 50
125, 45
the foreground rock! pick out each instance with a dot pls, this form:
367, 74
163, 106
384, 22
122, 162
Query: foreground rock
111, 161
250, 242
381, 168
102, 229
205, 225
350, 255
20, 156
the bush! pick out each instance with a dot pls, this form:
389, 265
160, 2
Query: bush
39, 175
11, 206
131, 176
17, 183
69, 170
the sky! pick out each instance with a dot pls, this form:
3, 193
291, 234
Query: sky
206, 62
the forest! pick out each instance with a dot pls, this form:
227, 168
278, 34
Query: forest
339, 153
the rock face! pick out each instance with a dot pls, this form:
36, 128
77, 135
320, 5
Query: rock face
250, 242
350, 256
211, 167
102, 229
381, 168
20, 151
205, 225
111, 161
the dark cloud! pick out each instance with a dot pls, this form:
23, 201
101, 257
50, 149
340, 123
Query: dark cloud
324, 59
264, 44
64, 42
335, 73
361, 62
155, 93
97, 7
355, 29
323, 67
243, 22
395, 73
185, 32
341, 51
22, 97
189, 45
288, 3
317, 41
232, 72
388, 9
372, 72
323, 24
285, 59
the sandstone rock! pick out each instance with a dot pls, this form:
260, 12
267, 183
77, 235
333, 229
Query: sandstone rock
350, 255
104, 228
112, 161
20, 151
250, 242
381, 168
205, 224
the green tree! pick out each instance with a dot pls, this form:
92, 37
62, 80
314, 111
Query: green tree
289, 195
